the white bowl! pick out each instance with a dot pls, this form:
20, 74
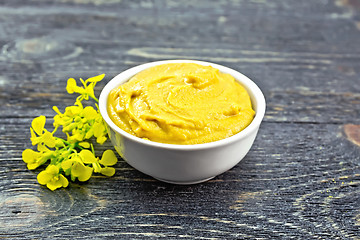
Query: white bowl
183, 164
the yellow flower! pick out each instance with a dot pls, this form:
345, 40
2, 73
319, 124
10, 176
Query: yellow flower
52, 178
81, 172
108, 159
71, 86
76, 167
81, 122
31, 158
38, 124
45, 139
39, 135
89, 113
88, 87
60, 119
100, 131
73, 111
71, 157
59, 143
101, 139
96, 78
84, 144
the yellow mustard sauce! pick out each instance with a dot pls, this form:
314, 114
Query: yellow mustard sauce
181, 103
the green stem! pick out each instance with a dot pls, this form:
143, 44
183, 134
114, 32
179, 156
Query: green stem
97, 100
55, 129
92, 148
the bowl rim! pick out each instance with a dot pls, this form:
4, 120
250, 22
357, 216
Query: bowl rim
247, 83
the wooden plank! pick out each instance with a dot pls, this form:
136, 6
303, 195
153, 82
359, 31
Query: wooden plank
314, 71
305, 187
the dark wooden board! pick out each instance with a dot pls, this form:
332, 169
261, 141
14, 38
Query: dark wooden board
301, 179
284, 187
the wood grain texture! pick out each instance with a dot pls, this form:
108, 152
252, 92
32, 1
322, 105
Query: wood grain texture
301, 179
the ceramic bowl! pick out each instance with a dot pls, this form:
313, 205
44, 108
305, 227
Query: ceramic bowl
183, 164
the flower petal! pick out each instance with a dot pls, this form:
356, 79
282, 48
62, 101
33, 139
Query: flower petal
84, 144
71, 85
87, 156
54, 183
59, 143
96, 78
49, 139
56, 109
33, 166
108, 171
38, 124
58, 121
63, 180
72, 111
52, 169
101, 139
86, 174
30, 156
90, 113
99, 129
67, 164
77, 169
41, 148
33, 135
89, 133
44, 177
108, 158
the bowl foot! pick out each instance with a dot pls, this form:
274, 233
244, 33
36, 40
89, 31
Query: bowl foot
185, 182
